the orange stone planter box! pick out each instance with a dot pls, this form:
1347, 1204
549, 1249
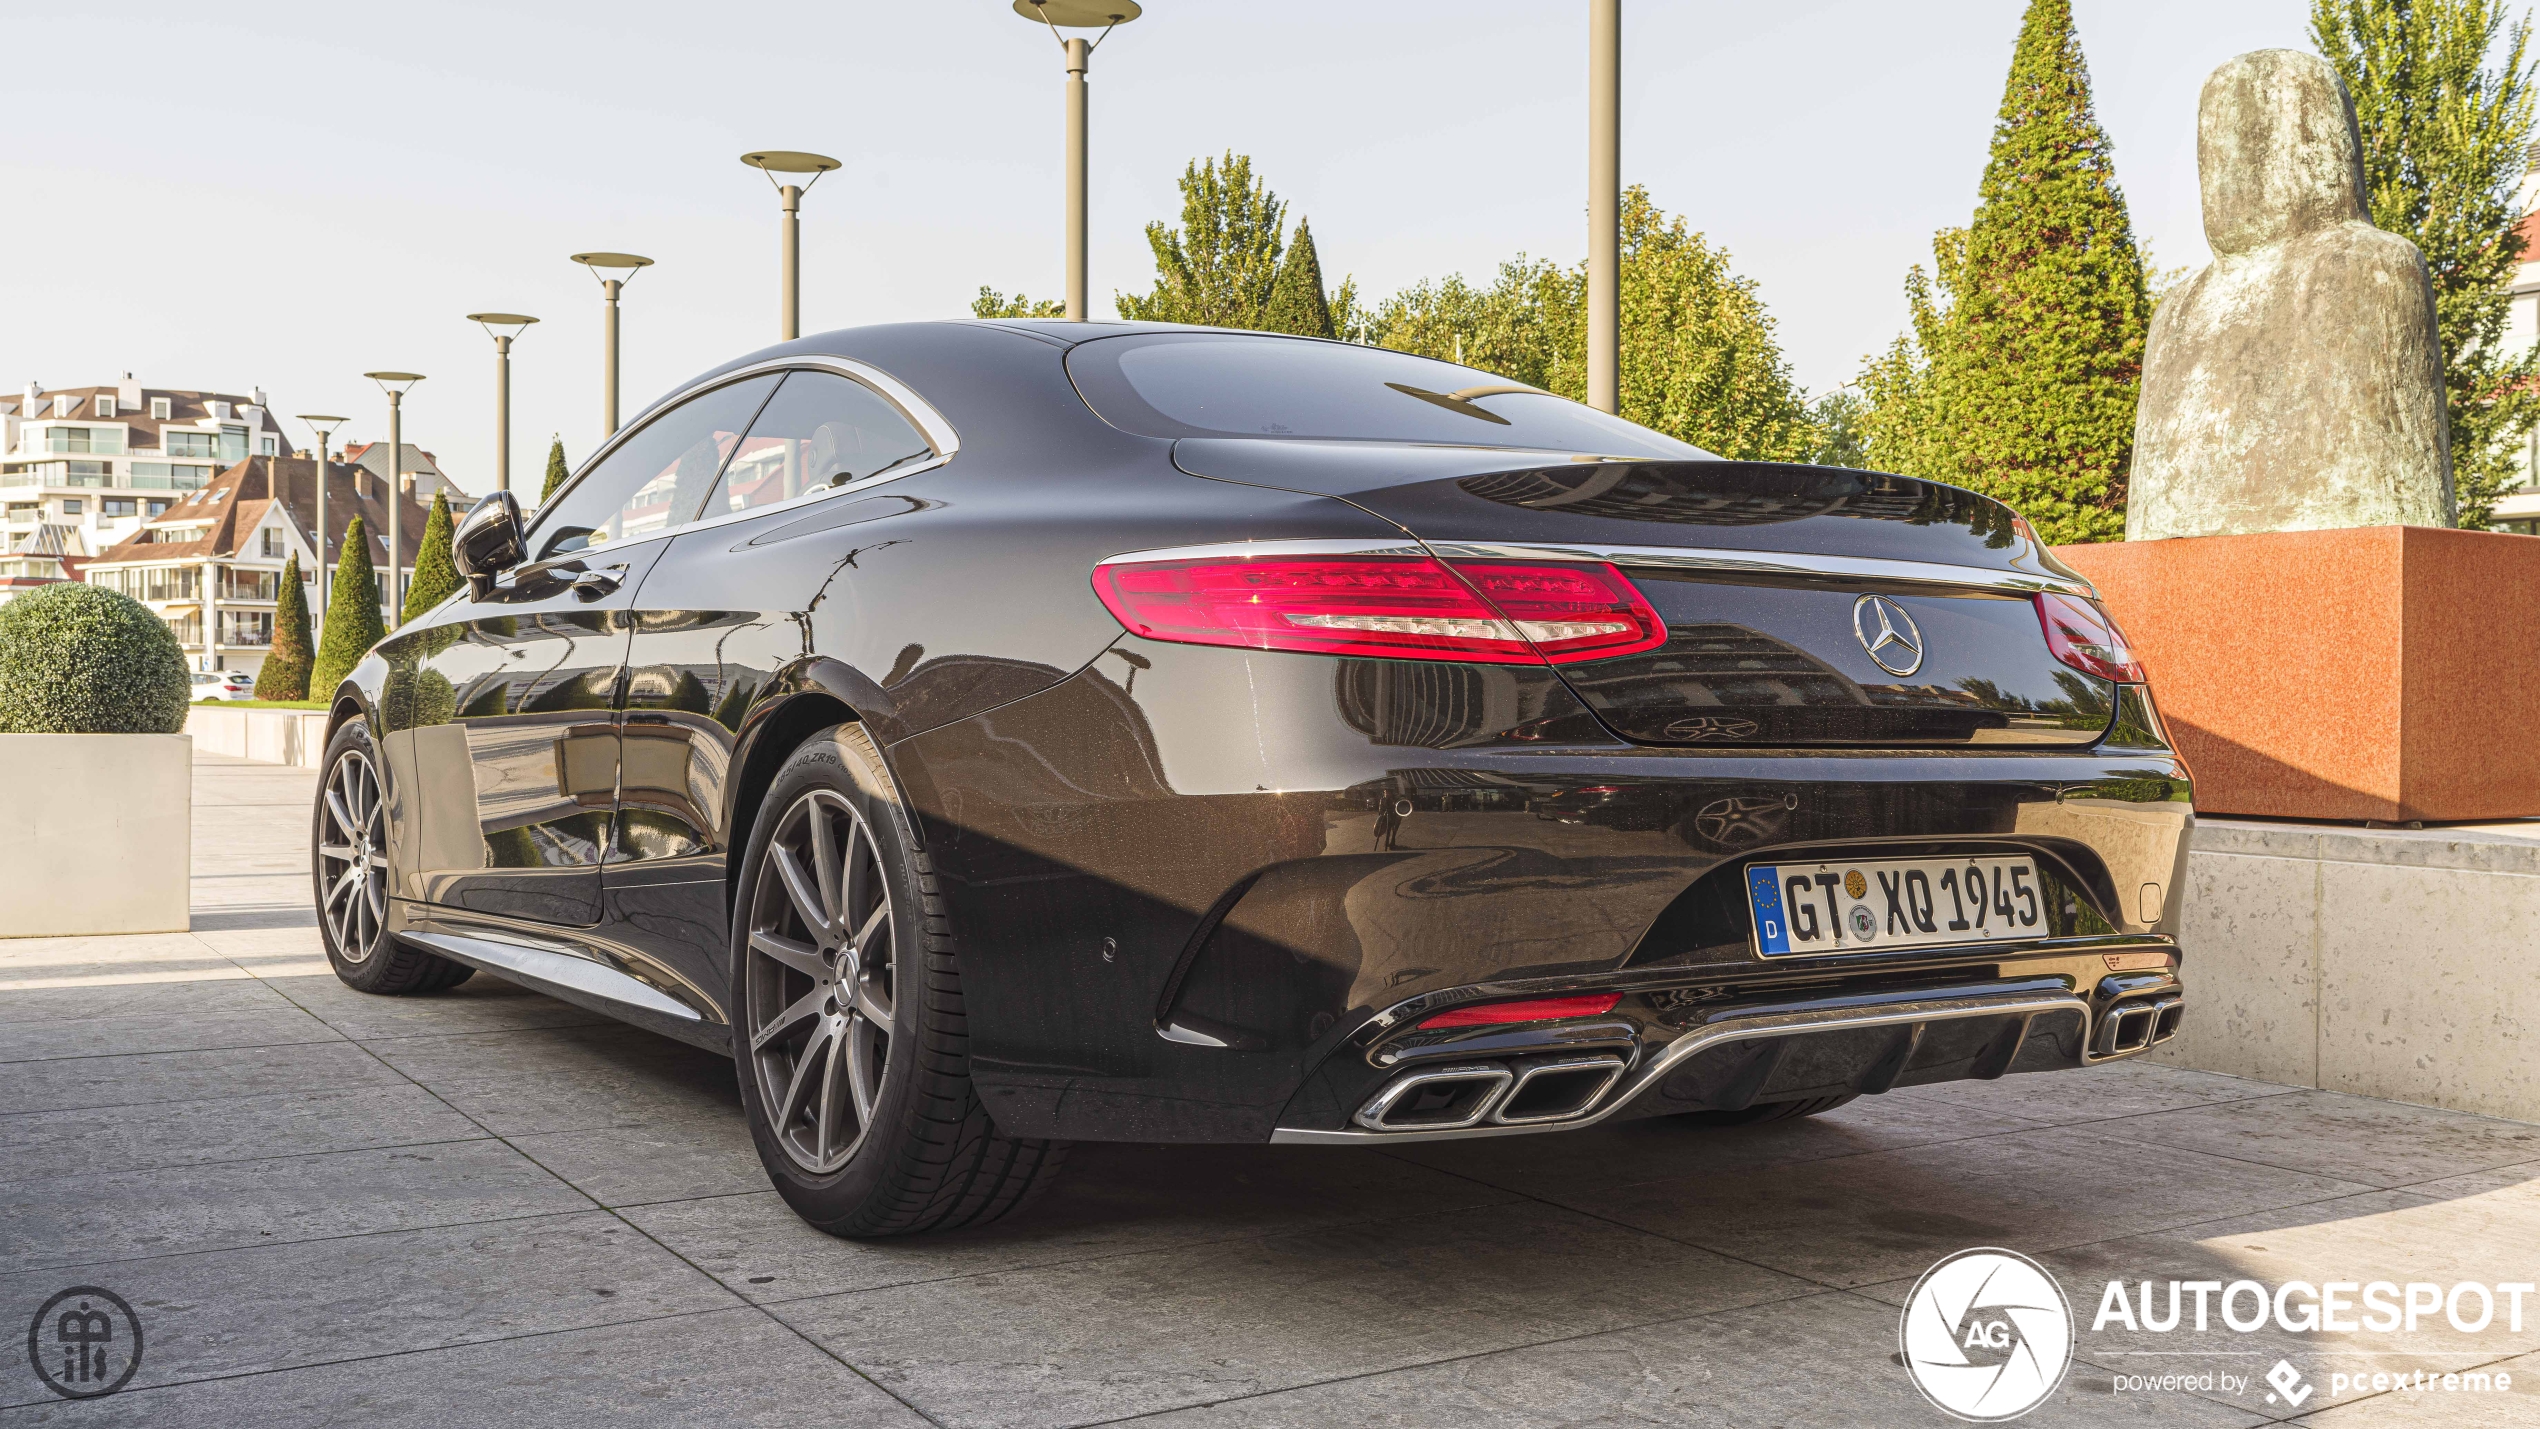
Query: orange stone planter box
2386, 673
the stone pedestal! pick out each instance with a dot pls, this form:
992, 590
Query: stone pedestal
2385, 673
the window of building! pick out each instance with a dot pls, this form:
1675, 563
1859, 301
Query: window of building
105, 405
264, 446
73, 507
190, 443
272, 543
246, 627
118, 506
104, 440
236, 584
166, 476
188, 628
161, 409
158, 508
219, 410
62, 404
233, 444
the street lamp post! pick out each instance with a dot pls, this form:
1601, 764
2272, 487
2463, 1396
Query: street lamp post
1085, 15
610, 287
518, 323
789, 315
325, 427
1605, 206
396, 385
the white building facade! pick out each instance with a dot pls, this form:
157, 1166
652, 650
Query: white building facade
82, 468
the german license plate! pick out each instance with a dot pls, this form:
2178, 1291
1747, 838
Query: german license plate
1893, 903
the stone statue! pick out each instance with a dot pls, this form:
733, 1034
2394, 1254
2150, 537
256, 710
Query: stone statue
2295, 383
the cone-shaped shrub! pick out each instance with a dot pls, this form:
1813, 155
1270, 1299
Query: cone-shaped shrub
353, 624
285, 673
557, 471
1296, 302
80, 659
433, 576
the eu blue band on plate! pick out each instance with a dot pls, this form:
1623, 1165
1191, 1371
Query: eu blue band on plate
1764, 892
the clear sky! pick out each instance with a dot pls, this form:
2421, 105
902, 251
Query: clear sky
288, 195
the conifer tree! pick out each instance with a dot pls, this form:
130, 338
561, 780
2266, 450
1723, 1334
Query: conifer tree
2021, 377
557, 471
2443, 136
434, 575
1296, 303
353, 622
285, 673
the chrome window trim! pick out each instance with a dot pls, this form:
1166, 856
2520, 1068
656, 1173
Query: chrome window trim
930, 424
1774, 563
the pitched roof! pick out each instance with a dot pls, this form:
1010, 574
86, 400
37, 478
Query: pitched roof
234, 504
185, 409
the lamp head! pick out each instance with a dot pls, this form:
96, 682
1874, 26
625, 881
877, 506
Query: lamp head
395, 384
324, 426
1078, 14
790, 161
517, 322
598, 261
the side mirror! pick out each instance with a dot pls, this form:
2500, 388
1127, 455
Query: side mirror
488, 542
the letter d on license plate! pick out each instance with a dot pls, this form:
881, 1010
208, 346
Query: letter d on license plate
1893, 903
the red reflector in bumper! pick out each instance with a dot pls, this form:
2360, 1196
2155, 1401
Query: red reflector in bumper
1404, 607
1541, 1009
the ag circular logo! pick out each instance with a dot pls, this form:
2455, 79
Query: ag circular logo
85, 1342
1986, 1335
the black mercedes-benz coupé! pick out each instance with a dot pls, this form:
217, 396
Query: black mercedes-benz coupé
1002, 734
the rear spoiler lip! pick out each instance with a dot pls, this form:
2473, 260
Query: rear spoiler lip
2016, 576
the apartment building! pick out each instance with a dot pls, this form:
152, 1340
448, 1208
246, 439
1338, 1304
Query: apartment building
422, 474
82, 468
211, 564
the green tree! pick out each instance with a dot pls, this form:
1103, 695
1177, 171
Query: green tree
1218, 267
1837, 417
2443, 134
1700, 359
353, 622
285, 673
2022, 372
1296, 303
992, 304
434, 575
557, 471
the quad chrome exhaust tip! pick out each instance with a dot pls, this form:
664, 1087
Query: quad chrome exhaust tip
2134, 1026
1454, 1098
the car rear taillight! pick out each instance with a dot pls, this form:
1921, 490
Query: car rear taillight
1541, 1009
2086, 637
1403, 607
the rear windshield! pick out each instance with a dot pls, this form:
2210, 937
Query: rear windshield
1211, 384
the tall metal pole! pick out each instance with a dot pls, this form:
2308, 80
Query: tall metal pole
321, 530
1605, 217
608, 360
502, 412
1080, 57
396, 504
792, 318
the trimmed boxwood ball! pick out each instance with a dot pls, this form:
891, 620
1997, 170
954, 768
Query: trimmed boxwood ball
80, 659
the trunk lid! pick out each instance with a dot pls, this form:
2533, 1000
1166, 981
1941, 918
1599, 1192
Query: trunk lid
1776, 581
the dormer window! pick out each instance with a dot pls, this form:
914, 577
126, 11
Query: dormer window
105, 405
220, 411
62, 404
162, 409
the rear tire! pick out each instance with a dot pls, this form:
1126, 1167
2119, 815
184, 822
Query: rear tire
847, 1026
348, 865
1767, 1111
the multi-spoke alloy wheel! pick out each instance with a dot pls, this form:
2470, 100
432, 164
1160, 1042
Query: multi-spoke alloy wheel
848, 1033
820, 994
349, 865
352, 857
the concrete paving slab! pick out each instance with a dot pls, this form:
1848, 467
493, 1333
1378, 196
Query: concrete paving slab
1136, 1334
595, 1048
37, 1145
585, 1101
1661, 1148
166, 994
2443, 1405
483, 1003
2349, 1137
1115, 1199
1822, 1359
733, 1369
274, 1026
272, 1307
1859, 1220
662, 1161
2119, 1089
77, 1220
74, 1083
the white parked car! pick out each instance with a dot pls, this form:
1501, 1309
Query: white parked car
224, 685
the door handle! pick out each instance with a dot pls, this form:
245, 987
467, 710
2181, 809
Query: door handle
591, 585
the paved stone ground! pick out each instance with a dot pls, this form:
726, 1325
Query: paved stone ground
491, 1208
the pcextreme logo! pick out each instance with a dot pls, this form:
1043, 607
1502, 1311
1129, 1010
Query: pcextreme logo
1986, 1335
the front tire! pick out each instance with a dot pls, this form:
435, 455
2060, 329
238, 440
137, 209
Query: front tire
848, 1033
348, 861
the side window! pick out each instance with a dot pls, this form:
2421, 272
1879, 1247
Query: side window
657, 478
819, 429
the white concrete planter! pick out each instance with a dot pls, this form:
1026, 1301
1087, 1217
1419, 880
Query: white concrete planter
274, 736
96, 833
